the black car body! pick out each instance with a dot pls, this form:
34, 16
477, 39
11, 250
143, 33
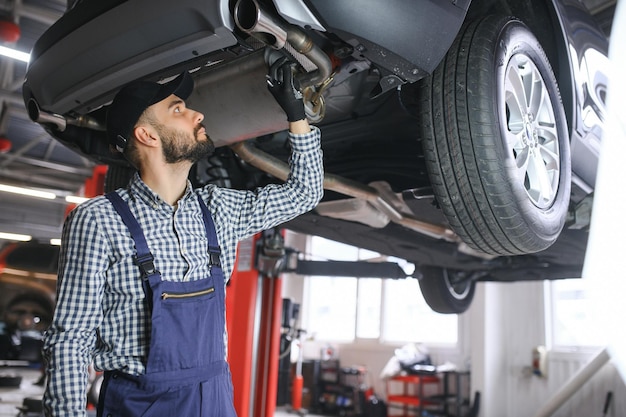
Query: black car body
462, 135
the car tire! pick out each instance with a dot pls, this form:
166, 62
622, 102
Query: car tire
446, 291
211, 170
117, 176
502, 182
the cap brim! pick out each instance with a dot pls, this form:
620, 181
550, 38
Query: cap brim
181, 87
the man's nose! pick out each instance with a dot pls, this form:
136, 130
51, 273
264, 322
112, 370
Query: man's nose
198, 117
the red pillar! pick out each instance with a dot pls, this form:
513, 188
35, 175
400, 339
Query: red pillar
253, 363
241, 295
94, 185
269, 348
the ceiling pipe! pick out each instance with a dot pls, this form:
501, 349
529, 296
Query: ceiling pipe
13, 98
4, 118
42, 15
87, 171
25, 148
42, 180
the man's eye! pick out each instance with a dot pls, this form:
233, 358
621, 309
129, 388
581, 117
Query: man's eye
177, 109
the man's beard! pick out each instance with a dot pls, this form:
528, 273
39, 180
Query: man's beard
177, 147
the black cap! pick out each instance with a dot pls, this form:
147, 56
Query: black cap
131, 101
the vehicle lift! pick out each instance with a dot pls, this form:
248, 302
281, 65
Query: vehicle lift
254, 313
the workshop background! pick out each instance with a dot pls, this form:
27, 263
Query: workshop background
500, 362
496, 340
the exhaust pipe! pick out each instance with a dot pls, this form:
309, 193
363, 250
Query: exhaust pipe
253, 19
280, 170
36, 115
60, 122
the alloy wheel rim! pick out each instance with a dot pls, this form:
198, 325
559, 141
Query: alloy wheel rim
459, 288
532, 132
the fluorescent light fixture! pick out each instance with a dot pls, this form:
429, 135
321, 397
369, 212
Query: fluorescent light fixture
28, 192
15, 236
14, 53
75, 199
56, 242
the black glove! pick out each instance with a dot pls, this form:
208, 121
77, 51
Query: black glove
285, 89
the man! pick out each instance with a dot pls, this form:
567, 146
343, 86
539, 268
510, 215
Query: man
142, 270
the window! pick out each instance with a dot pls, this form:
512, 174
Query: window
368, 308
341, 309
572, 315
409, 318
332, 308
332, 301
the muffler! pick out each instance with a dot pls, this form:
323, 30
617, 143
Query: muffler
253, 19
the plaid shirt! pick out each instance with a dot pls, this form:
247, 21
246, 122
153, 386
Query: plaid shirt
100, 312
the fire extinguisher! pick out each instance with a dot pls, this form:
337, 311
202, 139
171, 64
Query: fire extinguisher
298, 381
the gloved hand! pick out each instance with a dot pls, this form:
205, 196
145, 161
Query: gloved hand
285, 89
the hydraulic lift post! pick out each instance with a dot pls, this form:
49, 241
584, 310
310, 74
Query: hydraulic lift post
254, 312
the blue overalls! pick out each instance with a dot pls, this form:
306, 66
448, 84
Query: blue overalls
186, 372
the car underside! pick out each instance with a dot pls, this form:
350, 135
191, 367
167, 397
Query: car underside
450, 138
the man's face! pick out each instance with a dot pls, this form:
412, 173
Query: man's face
182, 134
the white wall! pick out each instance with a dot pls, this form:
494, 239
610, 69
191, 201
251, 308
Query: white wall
507, 323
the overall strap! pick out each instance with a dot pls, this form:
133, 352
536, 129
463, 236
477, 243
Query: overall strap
143, 258
214, 248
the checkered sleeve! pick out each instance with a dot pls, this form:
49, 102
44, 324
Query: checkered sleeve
70, 340
240, 214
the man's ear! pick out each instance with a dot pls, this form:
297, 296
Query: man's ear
146, 135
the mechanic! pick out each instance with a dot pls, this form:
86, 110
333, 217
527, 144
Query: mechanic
141, 276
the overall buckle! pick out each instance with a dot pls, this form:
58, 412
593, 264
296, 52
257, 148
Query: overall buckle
146, 265
214, 257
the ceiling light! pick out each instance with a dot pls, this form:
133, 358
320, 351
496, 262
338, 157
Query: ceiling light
14, 53
15, 236
27, 191
75, 199
56, 242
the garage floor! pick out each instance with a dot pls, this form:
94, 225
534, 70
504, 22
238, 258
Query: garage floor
286, 412
11, 397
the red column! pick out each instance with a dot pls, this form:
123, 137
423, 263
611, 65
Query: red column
255, 386
269, 348
241, 295
94, 186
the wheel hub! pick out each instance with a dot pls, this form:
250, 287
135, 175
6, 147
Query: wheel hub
530, 132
